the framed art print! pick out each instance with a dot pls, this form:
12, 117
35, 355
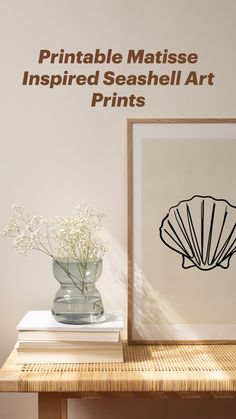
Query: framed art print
182, 230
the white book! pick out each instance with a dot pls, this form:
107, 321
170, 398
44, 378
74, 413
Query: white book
66, 344
69, 350
67, 358
41, 335
43, 320
59, 355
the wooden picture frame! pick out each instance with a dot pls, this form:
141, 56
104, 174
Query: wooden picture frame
181, 171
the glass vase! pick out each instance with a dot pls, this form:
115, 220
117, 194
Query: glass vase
77, 301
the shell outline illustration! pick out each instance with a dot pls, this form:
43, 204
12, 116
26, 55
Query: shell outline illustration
203, 230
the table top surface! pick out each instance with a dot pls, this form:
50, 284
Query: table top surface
146, 368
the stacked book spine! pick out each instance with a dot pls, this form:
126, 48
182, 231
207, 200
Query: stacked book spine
41, 339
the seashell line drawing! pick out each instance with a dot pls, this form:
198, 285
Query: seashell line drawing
203, 230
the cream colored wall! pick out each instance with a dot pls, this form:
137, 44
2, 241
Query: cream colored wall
57, 151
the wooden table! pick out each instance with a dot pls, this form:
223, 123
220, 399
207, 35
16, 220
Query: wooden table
182, 371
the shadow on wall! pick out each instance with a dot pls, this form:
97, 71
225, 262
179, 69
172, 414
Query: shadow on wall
113, 281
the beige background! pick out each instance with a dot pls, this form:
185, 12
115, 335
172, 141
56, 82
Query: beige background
56, 150
172, 171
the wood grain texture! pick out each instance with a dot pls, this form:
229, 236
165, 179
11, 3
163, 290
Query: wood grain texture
130, 226
181, 121
130, 142
52, 406
10, 374
158, 370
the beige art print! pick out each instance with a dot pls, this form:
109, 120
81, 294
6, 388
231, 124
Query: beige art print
182, 230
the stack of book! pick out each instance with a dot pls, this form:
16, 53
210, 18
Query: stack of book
41, 339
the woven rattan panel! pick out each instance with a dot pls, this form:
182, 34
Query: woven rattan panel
168, 368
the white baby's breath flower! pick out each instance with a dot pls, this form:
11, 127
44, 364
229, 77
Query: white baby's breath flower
73, 236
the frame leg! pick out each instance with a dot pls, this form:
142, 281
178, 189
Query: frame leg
52, 406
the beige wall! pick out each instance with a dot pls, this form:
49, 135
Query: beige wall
57, 151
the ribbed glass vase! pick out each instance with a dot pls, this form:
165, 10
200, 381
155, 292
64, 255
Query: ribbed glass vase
77, 301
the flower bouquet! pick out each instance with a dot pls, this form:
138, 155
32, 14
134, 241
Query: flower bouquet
76, 251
